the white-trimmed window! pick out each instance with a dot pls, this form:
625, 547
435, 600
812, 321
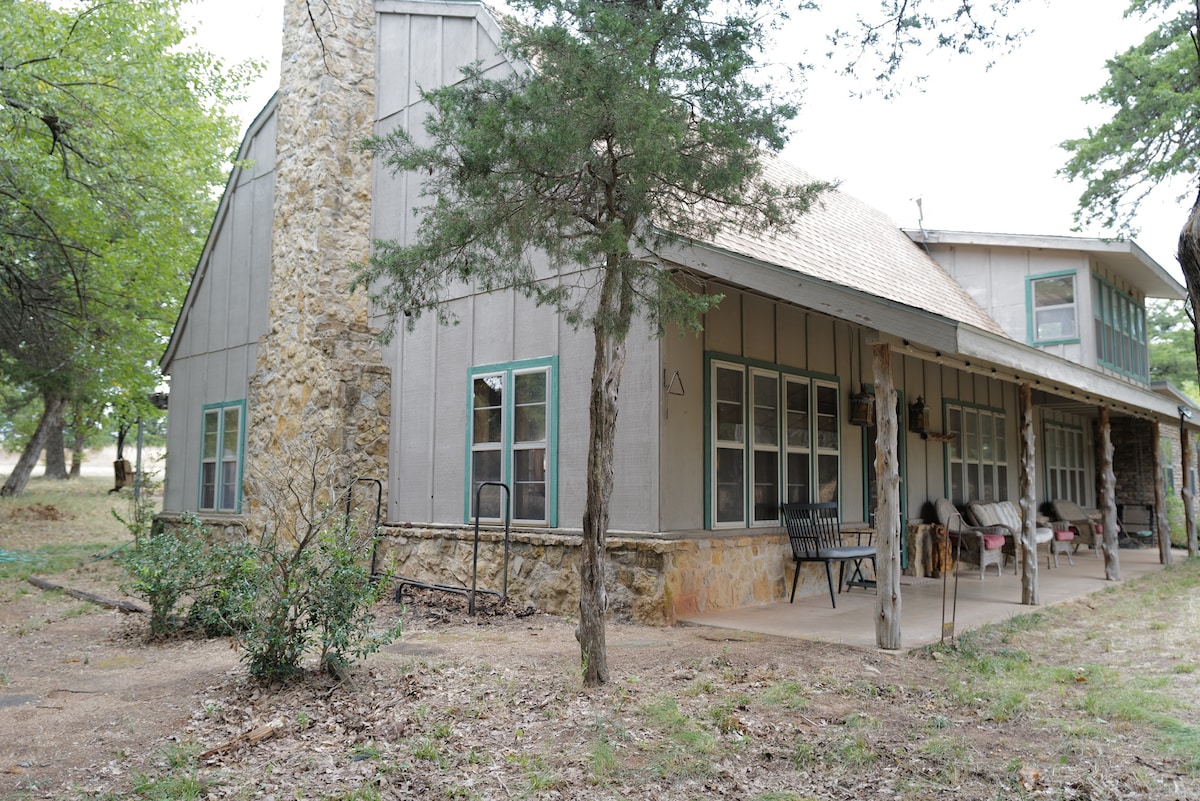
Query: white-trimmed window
512, 439
221, 438
774, 438
1066, 473
977, 456
1052, 314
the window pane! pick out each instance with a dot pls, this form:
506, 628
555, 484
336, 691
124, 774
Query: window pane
766, 410
827, 478
229, 486
798, 471
798, 435
212, 434
766, 485
730, 418
529, 484
530, 423
1055, 323
230, 440
485, 466
731, 484
208, 485
487, 419
827, 418
530, 387
1054, 291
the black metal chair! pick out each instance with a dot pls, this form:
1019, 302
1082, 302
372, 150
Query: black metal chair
816, 536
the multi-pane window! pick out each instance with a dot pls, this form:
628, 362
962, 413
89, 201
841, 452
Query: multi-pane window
1066, 474
1120, 331
774, 439
221, 458
1052, 308
1168, 464
977, 456
512, 441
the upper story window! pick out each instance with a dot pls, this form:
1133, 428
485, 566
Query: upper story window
774, 438
1052, 317
221, 437
1120, 331
512, 434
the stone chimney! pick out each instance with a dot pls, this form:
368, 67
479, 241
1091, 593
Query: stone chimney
319, 382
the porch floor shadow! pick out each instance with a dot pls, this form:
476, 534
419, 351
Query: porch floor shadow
991, 600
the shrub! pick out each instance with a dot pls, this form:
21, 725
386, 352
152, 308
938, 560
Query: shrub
165, 568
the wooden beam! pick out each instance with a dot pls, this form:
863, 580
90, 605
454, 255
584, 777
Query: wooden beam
1027, 482
887, 511
1108, 503
1161, 524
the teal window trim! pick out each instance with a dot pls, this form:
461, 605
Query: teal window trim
996, 412
1121, 339
221, 408
549, 365
1031, 311
784, 372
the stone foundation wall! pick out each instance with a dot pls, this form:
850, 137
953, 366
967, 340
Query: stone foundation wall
1133, 460
650, 580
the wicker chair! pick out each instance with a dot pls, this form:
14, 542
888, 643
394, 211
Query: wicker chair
984, 546
1087, 531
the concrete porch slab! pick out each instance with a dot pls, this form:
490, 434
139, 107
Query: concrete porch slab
922, 602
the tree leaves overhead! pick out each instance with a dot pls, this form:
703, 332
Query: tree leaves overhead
1153, 89
114, 136
633, 119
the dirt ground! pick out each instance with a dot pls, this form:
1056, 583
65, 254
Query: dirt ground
491, 707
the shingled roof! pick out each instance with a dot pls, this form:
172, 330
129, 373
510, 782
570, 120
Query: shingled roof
846, 242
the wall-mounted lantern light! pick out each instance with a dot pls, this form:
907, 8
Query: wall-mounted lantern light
862, 408
918, 416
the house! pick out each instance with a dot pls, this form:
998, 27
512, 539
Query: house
715, 431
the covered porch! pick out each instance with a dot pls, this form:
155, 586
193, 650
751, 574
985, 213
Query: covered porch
992, 600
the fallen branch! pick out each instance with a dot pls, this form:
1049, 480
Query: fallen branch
252, 737
121, 606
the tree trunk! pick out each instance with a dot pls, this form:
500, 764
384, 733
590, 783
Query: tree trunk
609, 329
56, 452
1188, 252
1027, 481
78, 445
1161, 524
887, 512
1108, 504
16, 482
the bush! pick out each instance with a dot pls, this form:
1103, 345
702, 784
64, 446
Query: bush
315, 595
165, 568
1175, 521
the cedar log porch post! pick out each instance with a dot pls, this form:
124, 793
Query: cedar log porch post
1108, 505
1161, 524
1189, 519
887, 511
1027, 480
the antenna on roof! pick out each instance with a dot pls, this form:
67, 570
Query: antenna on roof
921, 224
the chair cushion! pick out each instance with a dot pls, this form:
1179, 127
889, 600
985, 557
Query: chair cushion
992, 542
847, 552
1064, 535
1041, 535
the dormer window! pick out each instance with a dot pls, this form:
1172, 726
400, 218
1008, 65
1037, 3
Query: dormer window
1052, 316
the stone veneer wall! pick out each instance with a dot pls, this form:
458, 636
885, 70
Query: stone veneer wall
652, 580
1133, 460
319, 384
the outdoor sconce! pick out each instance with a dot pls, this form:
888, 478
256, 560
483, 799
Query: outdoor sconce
918, 416
862, 408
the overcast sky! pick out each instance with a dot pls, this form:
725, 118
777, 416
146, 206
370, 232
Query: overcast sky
980, 147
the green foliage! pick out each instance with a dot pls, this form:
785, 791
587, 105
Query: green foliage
106, 193
1153, 89
1172, 345
166, 569
314, 594
1176, 522
638, 120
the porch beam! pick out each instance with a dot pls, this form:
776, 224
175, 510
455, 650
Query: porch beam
1027, 482
1108, 504
1161, 524
887, 511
